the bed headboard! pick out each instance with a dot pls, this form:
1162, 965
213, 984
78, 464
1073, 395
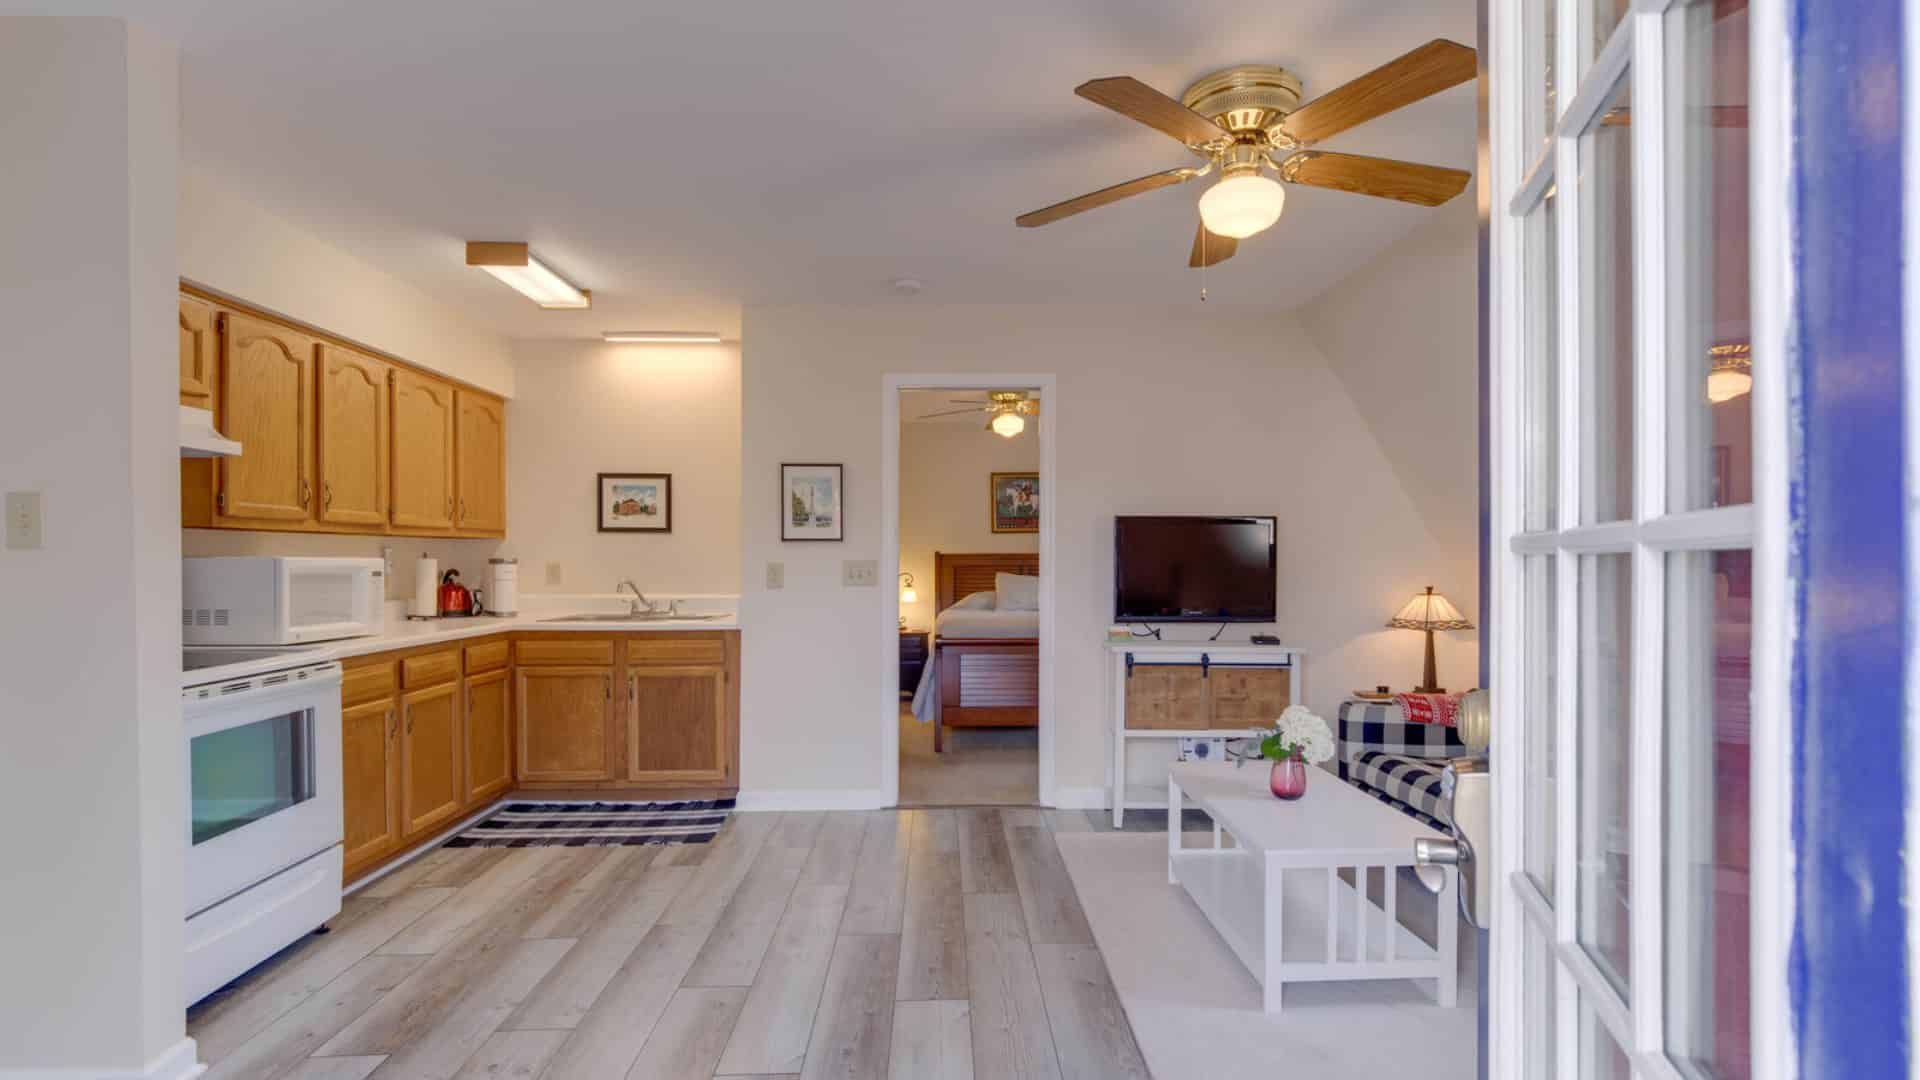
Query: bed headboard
958, 576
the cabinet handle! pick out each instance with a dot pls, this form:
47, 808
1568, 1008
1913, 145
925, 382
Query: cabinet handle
463, 509
633, 689
393, 729
409, 719
606, 687
306, 491
449, 508
326, 495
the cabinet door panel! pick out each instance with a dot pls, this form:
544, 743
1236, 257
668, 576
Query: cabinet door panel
369, 770
1247, 697
565, 717
481, 447
1166, 698
353, 437
677, 724
489, 741
422, 419
430, 734
266, 402
197, 352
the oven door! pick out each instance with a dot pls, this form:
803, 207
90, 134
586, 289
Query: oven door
263, 762
324, 599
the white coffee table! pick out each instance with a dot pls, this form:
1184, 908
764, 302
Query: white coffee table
1275, 893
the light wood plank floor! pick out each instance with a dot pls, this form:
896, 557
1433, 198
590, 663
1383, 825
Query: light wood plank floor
935, 943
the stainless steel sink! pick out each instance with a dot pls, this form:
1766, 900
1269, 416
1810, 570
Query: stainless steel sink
623, 617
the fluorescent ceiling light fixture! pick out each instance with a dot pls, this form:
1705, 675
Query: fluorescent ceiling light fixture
661, 337
1242, 205
526, 275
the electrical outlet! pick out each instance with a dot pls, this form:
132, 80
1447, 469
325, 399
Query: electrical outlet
23, 520
859, 573
553, 573
776, 575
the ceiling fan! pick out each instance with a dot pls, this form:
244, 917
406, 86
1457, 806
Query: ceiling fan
1007, 411
1248, 119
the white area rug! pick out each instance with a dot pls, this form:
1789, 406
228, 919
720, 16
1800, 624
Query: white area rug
1196, 1011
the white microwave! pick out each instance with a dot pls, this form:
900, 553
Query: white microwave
281, 600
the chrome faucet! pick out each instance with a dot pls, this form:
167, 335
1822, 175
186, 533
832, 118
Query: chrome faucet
633, 605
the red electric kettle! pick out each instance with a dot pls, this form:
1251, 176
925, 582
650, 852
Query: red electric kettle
455, 598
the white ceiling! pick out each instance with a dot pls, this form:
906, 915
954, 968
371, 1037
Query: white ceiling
684, 159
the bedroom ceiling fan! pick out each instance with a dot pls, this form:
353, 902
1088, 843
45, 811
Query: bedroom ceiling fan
1007, 411
1246, 121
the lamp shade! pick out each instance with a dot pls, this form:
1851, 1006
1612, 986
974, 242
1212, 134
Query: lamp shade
1429, 611
1242, 205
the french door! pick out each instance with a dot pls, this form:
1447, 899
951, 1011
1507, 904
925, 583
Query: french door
1637, 804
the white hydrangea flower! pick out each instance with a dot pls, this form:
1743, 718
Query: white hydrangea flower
1301, 729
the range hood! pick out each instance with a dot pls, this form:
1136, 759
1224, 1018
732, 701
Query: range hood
199, 440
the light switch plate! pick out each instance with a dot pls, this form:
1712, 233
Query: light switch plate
859, 573
553, 573
776, 575
23, 520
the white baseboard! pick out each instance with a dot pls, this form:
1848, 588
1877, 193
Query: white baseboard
809, 799
1080, 798
181, 1061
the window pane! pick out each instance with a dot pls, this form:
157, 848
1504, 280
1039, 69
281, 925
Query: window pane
1542, 766
1606, 776
1709, 637
1606, 197
1600, 1056
1540, 429
1710, 408
1603, 16
1542, 984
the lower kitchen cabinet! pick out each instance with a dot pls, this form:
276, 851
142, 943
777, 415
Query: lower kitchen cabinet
370, 771
430, 742
489, 737
565, 719
677, 731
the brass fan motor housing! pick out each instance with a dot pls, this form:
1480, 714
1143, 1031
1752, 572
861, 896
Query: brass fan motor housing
1249, 100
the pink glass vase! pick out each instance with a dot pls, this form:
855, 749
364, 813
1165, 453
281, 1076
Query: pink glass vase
1289, 779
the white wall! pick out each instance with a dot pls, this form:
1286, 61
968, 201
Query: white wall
585, 408
1182, 410
230, 245
1401, 334
944, 470
94, 766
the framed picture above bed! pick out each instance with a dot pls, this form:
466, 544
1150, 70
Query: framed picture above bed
636, 502
812, 502
1014, 502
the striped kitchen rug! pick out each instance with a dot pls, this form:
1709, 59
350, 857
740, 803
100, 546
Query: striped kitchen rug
597, 824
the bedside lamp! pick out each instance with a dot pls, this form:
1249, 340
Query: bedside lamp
1429, 611
907, 595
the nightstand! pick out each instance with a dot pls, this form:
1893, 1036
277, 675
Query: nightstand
913, 657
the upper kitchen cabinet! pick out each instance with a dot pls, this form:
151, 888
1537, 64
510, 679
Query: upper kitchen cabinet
197, 355
266, 403
354, 439
480, 445
423, 462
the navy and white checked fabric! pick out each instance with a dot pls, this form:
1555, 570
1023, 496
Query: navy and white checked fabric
1394, 761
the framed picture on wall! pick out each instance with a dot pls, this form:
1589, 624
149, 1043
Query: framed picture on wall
812, 502
1014, 502
635, 502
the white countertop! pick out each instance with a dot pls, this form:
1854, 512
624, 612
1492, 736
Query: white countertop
403, 633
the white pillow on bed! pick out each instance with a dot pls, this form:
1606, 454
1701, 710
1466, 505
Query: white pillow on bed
980, 601
1016, 592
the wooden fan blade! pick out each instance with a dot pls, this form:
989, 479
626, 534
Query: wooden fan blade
1103, 197
1720, 116
1422, 185
1427, 70
949, 412
1211, 248
1136, 100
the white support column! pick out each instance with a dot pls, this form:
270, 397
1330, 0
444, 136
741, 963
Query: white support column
90, 643
1271, 940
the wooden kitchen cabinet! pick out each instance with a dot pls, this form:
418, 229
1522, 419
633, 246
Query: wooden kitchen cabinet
489, 736
431, 735
565, 721
679, 717
266, 403
353, 437
480, 463
423, 423
198, 355
370, 774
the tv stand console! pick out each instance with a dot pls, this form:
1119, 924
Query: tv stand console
1198, 689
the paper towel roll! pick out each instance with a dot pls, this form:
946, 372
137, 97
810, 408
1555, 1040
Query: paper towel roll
426, 587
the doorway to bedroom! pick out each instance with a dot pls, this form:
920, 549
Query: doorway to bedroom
971, 495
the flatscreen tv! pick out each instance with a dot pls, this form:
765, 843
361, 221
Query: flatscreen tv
1193, 569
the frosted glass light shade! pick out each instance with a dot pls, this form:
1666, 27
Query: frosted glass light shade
1725, 385
1007, 425
1240, 206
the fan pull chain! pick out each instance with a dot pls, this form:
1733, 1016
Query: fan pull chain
1203, 261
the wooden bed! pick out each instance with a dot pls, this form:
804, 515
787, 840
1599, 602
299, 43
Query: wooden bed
984, 682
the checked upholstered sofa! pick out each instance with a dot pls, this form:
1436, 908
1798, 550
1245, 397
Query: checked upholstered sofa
1396, 761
